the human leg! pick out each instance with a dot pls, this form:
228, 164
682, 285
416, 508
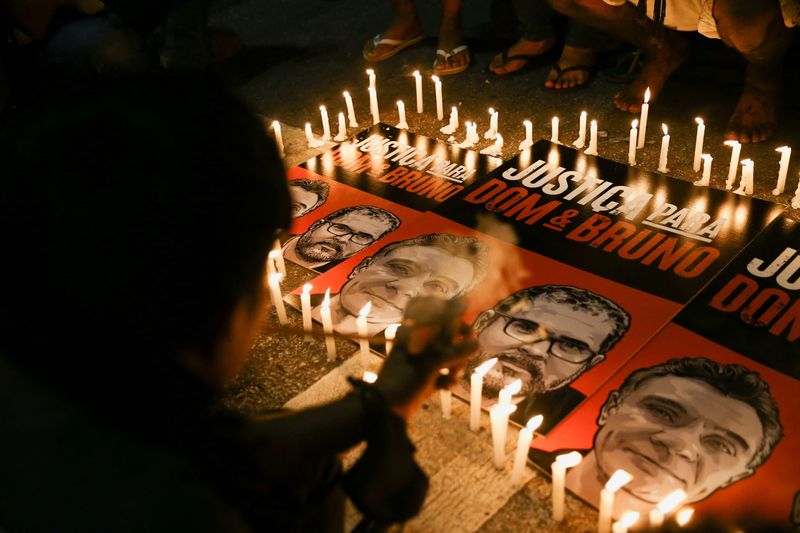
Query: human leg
537, 36
577, 58
755, 28
404, 26
663, 50
451, 36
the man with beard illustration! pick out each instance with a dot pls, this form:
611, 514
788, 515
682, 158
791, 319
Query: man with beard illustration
341, 234
307, 195
546, 336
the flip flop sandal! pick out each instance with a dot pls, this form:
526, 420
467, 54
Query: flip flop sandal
397, 46
590, 69
442, 57
528, 58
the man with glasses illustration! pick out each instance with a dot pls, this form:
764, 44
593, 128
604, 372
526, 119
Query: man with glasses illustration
338, 236
546, 336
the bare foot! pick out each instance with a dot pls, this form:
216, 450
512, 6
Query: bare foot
451, 35
405, 25
565, 78
755, 117
522, 47
669, 53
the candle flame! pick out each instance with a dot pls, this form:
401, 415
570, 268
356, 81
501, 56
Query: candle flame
534, 423
783, 149
617, 480
706, 157
555, 120
275, 278
326, 302
527, 123
746, 162
453, 110
370, 72
684, 515
341, 115
370, 377
731, 143
635, 124
435, 78
322, 108
444, 371
346, 94
568, 460
416, 74
699, 121
671, 502
391, 331
593, 123
491, 111
647, 95
275, 124
629, 518
583, 113
273, 254
486, 366
399, 103
514, 387
365, 310
307, 288
665, 129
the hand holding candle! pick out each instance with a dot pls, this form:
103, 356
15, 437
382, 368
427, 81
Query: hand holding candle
476, 393
559, 473
523, 447
606, 511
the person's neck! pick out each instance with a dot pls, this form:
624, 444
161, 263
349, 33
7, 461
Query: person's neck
587, 480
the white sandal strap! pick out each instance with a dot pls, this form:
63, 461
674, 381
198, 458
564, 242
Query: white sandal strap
377, 41
455, 51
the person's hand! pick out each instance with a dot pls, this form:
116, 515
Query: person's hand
432, 337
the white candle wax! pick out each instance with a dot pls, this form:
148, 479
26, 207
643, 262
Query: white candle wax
305, 306
643, 119
312, 141
554, 130
494, 120
363, 335
439, 102
390, 333
558, 470
528, 142
698, 143
746, 184
452, 125
796, 197
606, 511
271, 268
783, 169
476, 393
656, 518
523, 446
472, 132
401, 111
499, 414
373, 105
326, 124
683, 516
491, 133
733, 168
418, 84
371, 74
279, 262
705, 180
277, 297
351, 112
446, 398
581, 140
342, 133
662, 158
276, 129
627, 519
632, 143
327, 326
592, 150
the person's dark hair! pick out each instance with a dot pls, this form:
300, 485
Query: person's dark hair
381, 215
134, 218
734, 381
468, 248
318, 187
578, 299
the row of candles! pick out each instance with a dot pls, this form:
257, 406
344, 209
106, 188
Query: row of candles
499, 413
637, 137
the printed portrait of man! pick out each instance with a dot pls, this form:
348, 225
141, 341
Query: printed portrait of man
435, 264
691, 424
343, 233
307, 195
546, 336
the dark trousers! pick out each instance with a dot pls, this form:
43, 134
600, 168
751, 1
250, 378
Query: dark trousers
536, 19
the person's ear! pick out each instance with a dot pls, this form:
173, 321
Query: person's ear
594, 361
608, 408
363, 265
483, 320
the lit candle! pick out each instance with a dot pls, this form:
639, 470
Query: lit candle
632, 144
528, 142
472, 133
554, 130
373, 105
496, 149
643, 119
706, 179
326, 125
342, 133
559, 473
312, 141
401, 110
363, 338
796, 197
662, 158
390, 333
371, 74
783, 169
698, 143
491, 133
369, 377
439, 103
277, 297
592, 150
467, 142
279, 262
617, 480
271, 268
305, 306
499, 414
327, 325
523, 446
418, 83
476, 393
746, 184
733, 168
666, 506
581, 140
351, 112
276, 129
683, 516
627, 519
504, 398
452, 126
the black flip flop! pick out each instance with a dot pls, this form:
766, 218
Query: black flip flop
591, 69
